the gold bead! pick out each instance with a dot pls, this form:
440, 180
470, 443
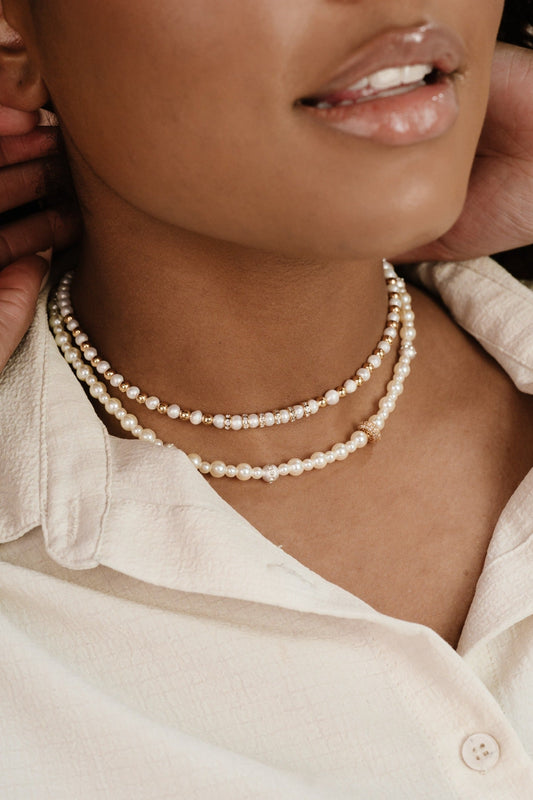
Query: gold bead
68, 319
207, 419
95, 361
124, 386
341, 390
388, 339
379, 352
84, 346
358, 379
109, 374
368, 366
371, 430
76, 332
185, 415
162, 408
142, 398
322, 402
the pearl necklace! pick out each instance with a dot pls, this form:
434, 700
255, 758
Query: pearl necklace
368, 431
236, 422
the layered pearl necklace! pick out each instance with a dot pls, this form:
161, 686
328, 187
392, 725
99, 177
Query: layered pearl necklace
90, 368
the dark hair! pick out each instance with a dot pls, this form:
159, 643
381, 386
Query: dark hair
517, 23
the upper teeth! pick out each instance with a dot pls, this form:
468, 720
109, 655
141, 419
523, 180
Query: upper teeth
393, 76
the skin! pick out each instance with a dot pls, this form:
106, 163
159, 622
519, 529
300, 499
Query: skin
263, 236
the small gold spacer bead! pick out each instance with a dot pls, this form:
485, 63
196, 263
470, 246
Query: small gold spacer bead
109, 374
369, 367
388, 339
341, 390
358, 379
95, 361
142, 398
124, 386
379, 352
84, 346
393, 324
68, 319
393, 296
207, 419
162, 408
185, 415
322, 402
75, 332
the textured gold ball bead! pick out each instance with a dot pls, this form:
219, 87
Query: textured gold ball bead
207, 419
185, 415
371, 430
162, 408
142, 398
322, 402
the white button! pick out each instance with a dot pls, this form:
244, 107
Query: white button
481, 752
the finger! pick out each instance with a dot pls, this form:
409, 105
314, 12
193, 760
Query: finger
39, 143
17, 123
24, 183
53, 227
19, 289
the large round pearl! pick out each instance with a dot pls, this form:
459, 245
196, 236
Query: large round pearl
116, 380
129, 422
196, 418
173, 411
218, 421
112, 405
152, 403
270, 473
340, 451
253, 421
195, 459
244, 472
218, 469
133, 392
236, 422
319, 460
332, 397
296, 467
148, 435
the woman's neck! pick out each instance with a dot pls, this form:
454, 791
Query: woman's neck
213, 326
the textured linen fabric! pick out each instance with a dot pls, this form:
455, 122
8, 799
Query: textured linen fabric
154, 645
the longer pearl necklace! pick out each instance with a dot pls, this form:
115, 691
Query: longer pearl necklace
235, 422
368, 431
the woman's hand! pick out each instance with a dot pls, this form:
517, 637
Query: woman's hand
498, 214
28, 157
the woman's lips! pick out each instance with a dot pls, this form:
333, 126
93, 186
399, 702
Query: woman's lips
382, 92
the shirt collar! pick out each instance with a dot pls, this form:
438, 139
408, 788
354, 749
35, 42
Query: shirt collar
62, 471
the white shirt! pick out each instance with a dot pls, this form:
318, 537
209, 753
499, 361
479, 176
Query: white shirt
154, 645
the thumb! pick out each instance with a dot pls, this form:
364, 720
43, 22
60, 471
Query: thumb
20, 284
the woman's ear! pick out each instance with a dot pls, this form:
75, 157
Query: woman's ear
21, 85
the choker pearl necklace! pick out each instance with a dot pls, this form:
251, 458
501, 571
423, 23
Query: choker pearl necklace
368, 431
236, 422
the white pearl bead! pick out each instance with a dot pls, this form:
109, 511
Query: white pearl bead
319, 460
363, 373
296, 467
218, 421
112, 405
91, 379
270, 473
392, 332
152, 403
71, 355
269, 419
387, 404
332, 397
77, 363
299, 412
244, 472
104, 397
408, 334
137, 431
81, 338
204, 468
393, 316
120, 413
148, 435
97, 389
133, 392
173, 411
308, 464
360, 438
350, 386
62, 338
231, 471
395, 387
116, 380
83, 373
257, 473
329, 456
385, 346
313, 406
129, 422
196, 418
218, 469
253, 421
402, 370
378, 421
89, 354
351, 446
284, 416
73, 324
340, 451
374, 360
195, 459
103, 366
236, 422
284, 470
158, 442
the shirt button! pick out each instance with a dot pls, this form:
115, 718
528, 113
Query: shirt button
481, 752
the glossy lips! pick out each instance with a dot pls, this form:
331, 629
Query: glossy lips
398, 89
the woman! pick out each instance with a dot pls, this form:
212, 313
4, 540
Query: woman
232, 260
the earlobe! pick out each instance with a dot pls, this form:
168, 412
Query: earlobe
21, 85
